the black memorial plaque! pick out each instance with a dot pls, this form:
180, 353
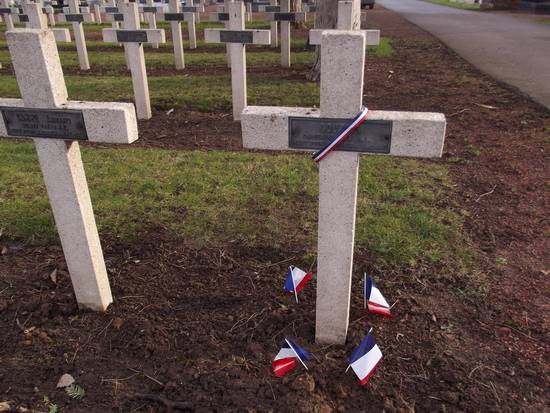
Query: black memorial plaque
111, 9
131, 36
149, 9
373, 136
24, 18
223, 17
234, 36
284, 17
45, 123
75, 18
119, 17
272, 9
189, 9
5, 10
174, 17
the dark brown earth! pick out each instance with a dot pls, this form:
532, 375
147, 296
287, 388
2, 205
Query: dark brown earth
201, 324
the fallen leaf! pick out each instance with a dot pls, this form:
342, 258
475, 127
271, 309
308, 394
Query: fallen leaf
170, 112
4, 251
53, 276
65, 381
4, 407
117, 323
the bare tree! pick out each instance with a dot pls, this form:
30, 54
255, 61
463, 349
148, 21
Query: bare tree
325, 18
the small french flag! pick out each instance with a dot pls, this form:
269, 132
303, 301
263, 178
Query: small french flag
374, 299
296, 279
285, 360
365, 359
342, 135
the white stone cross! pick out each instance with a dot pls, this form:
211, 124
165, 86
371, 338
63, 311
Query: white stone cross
97, 11
77, 18
175, 16
349, 18
133, 38
237, 38
391, 133
223, 16
285, 17
6, 12
113, 14
150, 12
36, 19
56, 125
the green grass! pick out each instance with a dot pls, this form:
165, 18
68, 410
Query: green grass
455, 4
544, 21
265, 199
201, 93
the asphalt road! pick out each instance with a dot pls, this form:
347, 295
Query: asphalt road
507, 48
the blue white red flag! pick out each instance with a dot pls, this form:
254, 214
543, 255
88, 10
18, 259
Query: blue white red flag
296, 279
285, 360
342, 135
365, 359
374, 300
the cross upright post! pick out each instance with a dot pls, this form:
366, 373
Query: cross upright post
285, 17
349, 18
392, 133
97, 11
237, 38
77, 18
6, 12
132, 37
36, 19
56, 124
274, 27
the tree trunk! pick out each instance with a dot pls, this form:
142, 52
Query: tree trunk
325, 18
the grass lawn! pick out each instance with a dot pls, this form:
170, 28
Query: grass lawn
456, 4
265, 199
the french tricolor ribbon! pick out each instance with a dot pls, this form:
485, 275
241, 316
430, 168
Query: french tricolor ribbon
285, 360
342, 135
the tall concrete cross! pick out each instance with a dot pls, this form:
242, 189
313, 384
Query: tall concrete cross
77, 18
133, 38
6, 11
391, 133
223, 16
150, 12
56, 124
176, 14
285, 17
349, 18
36, 19
113, 14
237, 38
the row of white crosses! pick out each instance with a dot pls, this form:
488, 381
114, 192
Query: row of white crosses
56, 124
309, 129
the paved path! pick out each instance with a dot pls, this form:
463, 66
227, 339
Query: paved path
507, 48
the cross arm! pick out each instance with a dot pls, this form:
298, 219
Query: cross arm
413, 134
372, 36
105, 122
61, 35
134, 36
218, 17
249, 36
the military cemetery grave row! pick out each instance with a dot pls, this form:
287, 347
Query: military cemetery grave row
57, 124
